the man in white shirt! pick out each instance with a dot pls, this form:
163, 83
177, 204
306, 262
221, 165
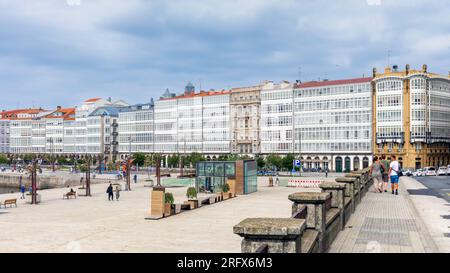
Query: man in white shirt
394, 169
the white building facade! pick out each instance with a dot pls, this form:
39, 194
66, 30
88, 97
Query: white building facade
327, 124
136, 129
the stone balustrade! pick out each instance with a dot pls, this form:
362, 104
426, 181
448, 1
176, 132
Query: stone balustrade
317, 218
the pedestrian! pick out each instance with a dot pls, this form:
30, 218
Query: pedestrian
109, 191
394, 169
326, 172
277, 180
117, 193
375, 173
135, 178
384, 172
22, 190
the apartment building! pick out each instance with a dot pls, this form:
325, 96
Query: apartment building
411, 116
245, 103
21, 129
102, 132
193, 122
327, 124
136, 129
4, 135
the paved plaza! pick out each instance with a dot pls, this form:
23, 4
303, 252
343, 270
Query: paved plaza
393, 224
97, 225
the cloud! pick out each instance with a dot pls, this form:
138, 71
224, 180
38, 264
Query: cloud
58, 52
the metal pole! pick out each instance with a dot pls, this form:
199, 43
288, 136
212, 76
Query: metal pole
158, 171
88, 177
128, 174
33, 183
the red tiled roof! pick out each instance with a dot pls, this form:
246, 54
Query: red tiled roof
67, 113
93, 100
334, 82
12, 114
200, 94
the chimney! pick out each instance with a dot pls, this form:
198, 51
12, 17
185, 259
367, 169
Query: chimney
407, 69
374, 72
424, 68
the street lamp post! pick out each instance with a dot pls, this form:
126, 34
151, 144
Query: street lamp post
34, 182
88, 177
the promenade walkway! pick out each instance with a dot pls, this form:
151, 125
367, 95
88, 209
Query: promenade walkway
385, 223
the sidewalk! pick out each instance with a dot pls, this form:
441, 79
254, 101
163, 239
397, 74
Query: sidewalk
385, 223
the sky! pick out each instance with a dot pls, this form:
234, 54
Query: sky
61, 52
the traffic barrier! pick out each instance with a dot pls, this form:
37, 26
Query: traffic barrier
304, 183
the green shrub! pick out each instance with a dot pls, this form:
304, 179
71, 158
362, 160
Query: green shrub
191, 193
226, 188
168, 198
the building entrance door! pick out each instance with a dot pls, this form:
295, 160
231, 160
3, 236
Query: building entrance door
418, 165
338, 164
347, 164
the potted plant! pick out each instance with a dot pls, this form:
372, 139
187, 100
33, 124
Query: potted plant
168, 201
225, 190
192, 197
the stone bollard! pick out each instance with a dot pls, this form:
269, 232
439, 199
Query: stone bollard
349, 189
358, 185
337, 191
275, 235
316, 205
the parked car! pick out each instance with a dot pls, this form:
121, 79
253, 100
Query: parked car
407, 172
418, 172
442, 171
448, 170
430, 171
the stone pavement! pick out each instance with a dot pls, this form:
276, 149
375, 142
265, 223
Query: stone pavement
385, 223
93, 224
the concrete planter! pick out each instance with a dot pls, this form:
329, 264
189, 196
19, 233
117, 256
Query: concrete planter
193, 203
167, 209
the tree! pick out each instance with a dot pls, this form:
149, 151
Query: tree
260, 162
223, 158
139, 159
274, 160
287, 161
195, 157
244, 157
4, 159
173, 160
149, 160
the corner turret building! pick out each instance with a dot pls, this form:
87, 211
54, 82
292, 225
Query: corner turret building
411, 116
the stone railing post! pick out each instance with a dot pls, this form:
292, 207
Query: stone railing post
349, 189
337, 191
358, 185
316, 208
276, 235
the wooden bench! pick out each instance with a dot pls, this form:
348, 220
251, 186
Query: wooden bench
70, 194
10, 202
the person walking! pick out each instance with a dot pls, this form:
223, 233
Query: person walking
384, 172
109, 191
22, 190
135, 178
394, 169
117, 193
376, 174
